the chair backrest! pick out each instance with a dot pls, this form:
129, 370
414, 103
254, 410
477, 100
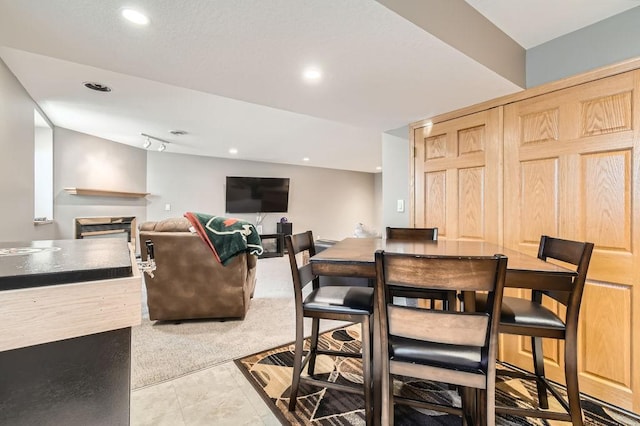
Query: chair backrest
573, 253
301, 274
478, 329
412, 234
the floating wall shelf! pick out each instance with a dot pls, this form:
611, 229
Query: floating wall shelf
104, 193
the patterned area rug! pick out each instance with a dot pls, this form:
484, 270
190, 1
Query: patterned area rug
270, 373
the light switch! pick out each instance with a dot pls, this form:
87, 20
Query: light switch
400, 207
167, 207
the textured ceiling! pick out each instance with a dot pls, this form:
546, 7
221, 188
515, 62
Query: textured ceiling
228, 72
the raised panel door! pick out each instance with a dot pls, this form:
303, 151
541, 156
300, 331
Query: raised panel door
457, 177
571, 170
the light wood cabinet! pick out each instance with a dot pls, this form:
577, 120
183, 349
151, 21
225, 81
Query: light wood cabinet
458, 177
569, 159
565, 163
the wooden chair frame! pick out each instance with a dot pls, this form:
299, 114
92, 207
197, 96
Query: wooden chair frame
448, 298
302, 275
577, 254
444, 328
412, 234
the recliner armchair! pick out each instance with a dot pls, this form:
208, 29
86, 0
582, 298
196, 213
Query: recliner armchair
189, 282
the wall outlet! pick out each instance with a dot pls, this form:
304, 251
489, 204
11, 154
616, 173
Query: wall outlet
167, 207
400, 206
259, 229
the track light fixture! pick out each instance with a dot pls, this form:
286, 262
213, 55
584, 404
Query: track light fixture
147, 143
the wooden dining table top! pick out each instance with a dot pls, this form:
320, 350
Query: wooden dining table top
356, 256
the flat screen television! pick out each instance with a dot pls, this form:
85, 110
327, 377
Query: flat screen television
257, 195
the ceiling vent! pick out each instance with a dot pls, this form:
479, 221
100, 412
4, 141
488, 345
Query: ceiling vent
96, 86
178, 132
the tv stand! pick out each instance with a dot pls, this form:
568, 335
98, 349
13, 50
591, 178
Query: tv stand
279, 237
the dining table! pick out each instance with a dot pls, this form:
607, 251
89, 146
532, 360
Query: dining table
355, 257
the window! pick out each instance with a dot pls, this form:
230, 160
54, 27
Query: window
43, 169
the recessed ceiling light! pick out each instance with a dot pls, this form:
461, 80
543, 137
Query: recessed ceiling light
312, 74
233, 151
96, 86
305, 159
178, 132
135, 16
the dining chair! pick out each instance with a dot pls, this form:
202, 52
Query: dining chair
457, 348
342, 303
531, 318
325, 280
448, 298
412, 234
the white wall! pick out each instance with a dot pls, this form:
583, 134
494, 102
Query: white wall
85, 161
328, 202
395, 177
16, 163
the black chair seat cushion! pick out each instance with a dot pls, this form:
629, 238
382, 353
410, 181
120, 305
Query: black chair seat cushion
517, 311
347, 300
464, 358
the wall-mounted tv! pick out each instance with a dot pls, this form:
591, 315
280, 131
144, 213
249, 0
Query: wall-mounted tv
257, 195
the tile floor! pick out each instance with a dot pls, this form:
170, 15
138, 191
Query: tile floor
218, 395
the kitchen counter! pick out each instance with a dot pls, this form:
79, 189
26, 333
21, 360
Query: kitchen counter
43, 263
66, 309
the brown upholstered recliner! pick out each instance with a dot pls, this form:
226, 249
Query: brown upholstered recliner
189, 282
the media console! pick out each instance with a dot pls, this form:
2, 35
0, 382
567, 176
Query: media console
279, 246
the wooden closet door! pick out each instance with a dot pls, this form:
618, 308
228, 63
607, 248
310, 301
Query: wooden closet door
457, 177
571, 171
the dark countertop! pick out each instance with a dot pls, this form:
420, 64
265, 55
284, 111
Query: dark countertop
50, 262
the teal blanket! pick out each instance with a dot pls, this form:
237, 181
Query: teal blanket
226, 237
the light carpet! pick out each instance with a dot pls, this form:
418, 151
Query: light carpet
165, 350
